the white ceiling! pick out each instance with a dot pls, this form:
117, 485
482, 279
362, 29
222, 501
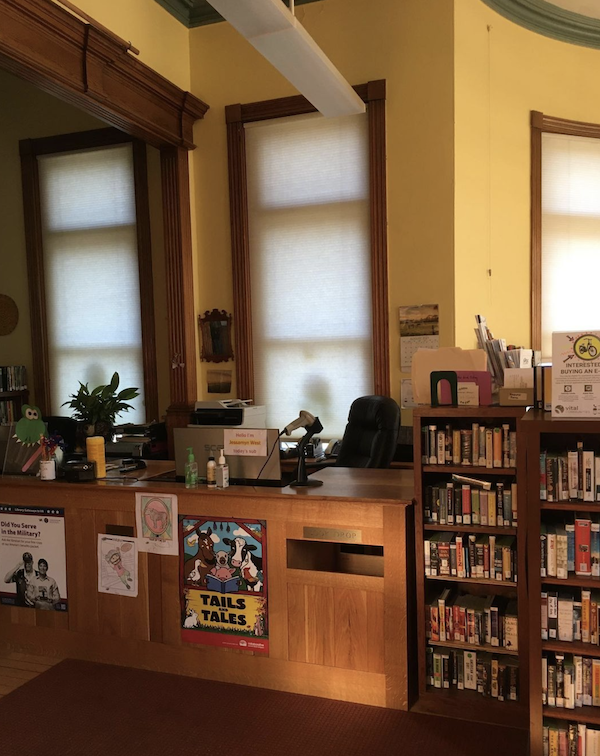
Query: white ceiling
589, 8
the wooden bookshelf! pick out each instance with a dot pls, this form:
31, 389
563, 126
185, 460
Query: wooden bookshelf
469, 704
539, 431
18, 399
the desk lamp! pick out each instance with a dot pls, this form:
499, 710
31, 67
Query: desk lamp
312, 425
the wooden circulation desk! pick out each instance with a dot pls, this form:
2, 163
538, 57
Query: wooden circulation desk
338, 620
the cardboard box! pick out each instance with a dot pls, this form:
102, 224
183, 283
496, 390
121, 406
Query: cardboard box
510, 397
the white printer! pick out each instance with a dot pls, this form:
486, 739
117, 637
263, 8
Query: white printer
232, 413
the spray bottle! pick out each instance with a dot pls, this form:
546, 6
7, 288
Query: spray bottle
222, 471
191, 470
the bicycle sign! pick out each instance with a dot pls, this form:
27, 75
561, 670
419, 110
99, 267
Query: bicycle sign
587, 347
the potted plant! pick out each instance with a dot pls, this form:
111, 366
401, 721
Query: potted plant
98, 408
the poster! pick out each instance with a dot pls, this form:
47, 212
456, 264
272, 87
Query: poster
419, 329
117, 565
576, 374
33, 562
156, 521
223, 578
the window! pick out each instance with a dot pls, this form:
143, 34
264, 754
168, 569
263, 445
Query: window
88, 265
565, 227
310, 274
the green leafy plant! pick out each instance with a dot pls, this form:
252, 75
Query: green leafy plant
102, 404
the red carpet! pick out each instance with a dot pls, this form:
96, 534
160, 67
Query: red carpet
84, 709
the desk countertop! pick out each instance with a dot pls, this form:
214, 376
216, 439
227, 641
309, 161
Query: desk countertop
390, 486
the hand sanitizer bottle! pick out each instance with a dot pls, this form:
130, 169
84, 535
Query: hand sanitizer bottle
191, 470
210, 472
222, 471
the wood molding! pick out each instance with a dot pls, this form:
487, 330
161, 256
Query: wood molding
536, 233
46, 45
236, 116
144, 245
240, 251
32, 215
540, 123
179, 274
379, 267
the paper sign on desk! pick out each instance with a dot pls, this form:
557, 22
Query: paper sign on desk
425, 361
244, 442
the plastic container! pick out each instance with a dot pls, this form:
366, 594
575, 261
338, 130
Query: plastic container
211, 469
95, 451
222, 472
191, 470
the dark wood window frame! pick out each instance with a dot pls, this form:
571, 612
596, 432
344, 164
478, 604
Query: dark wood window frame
30, 150
541, 123
373, 94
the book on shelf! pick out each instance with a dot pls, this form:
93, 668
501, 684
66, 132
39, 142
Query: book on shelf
490, 675
478, 556
13, 378
455, 503
474, 446
572, 475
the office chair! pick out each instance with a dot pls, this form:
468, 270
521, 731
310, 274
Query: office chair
371, 435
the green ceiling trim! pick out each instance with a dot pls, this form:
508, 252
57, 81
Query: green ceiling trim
550, 20
194, 13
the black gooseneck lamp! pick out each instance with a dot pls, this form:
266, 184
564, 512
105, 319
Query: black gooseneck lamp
312, 425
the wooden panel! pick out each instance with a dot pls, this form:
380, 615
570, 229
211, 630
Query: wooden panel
171, 615
155, 599
82, 570
351, 648
376, 633
321, 637
277, 591
296, 622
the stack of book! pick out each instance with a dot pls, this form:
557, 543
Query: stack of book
485, 673
466, 501
471, 556
570, 475
572, 548
476, 446
571, 616
570, 739
478, 620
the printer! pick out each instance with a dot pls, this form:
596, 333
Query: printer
231, 413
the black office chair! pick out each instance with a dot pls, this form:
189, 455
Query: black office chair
371, 435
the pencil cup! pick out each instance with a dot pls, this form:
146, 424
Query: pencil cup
95, 453
47, 469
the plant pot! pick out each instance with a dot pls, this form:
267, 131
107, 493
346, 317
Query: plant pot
103, 428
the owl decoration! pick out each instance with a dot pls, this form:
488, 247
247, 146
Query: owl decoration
31, 426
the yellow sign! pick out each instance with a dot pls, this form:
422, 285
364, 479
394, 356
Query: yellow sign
223, 611
587, 347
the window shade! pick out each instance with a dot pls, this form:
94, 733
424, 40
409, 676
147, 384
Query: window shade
570, 235
91, 272
309, 234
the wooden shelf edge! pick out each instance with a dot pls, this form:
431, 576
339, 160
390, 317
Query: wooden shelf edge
486, 648
493, 529
584, 714
472, 706
502, 584
571, 647
474, 469
577, 581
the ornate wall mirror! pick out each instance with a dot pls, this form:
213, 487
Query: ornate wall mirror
215, 332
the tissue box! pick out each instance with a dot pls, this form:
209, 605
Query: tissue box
516, 397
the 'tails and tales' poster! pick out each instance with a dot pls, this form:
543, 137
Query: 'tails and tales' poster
223, 578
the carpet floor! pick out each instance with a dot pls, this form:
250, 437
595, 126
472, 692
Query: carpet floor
80, 708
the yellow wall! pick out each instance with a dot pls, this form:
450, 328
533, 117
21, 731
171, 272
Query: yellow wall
501, 75
162, 40
408, 43
28, 113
